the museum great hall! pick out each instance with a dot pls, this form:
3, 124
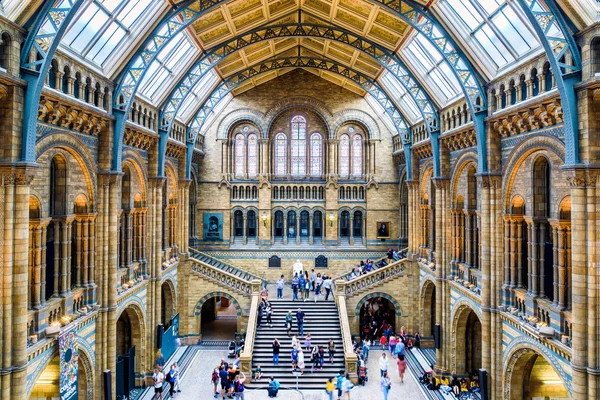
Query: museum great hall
160, 160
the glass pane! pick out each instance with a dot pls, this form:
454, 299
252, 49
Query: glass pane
252, 156
132, 11
239, 156
514, 31
497, 55
107, 43
86, 35
110, 5
357, 155
344, 155
79, 24
466, 12
490, 5
298, 160
280, 155
316, 155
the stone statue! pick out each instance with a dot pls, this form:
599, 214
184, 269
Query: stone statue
298, 268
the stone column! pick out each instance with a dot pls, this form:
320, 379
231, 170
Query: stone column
468, 238
285, 232
245, 227
37, 262
59, 80
441, 257
484, 182
298, 228
310, 230
351, 230
364, 229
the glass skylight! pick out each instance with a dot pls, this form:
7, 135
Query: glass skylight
103, 26
383, 116
433, 69
197, 96
399, 94
164, 71
496, 28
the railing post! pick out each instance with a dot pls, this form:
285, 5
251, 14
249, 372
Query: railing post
350, 359
246, 356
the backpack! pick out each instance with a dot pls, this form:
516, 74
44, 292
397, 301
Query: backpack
215, 377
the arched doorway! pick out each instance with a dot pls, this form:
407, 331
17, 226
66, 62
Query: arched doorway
345, 224
167, 300
377, 315
317, 224
428, 309
130, 349
238, 224
304, 223
47, 385
357, 224
218, 313
467, 341
530, 375
251, 224
278, 224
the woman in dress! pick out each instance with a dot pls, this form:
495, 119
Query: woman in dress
301, 360
307, 342
401, 362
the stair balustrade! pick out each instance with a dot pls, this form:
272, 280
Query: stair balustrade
246, 356
366, 281
350, 358
226, 271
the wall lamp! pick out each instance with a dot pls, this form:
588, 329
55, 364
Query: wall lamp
331, 218
264, 218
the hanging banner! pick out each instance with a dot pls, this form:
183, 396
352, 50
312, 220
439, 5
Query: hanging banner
69, 364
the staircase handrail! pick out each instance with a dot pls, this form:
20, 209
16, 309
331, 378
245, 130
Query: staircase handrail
346, 275
350, 358
194, 253
246, 356
372, 278
234, 282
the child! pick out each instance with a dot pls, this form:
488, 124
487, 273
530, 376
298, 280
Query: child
294, 357
258, 374
307, 342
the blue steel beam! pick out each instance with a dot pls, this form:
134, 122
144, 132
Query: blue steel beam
40, 45
234, 81
565, 60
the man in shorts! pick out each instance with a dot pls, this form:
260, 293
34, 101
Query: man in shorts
159, 378
224, 376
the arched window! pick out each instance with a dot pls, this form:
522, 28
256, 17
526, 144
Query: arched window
280, 154
252, 156
238, 223
344, 155
278, 223
357, 223
251, 223
316, 154
291, 224
298, 150
344, 224
239, 155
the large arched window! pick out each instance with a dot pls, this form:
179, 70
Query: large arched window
344, 155
280, 154
239, 155
252, 156
357, 155
316, 155
298, 144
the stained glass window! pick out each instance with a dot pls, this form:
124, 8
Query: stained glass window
357, 155
298, 160
252, 155
280, 154
316, 154
239, 155
344, 155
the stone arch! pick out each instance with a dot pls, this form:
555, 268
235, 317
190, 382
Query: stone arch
465, 159
168, 299
134, 312
466, 337
521, 355
138, 165
425, 181
564, 208
360, 118
372, 295
300, 102
198, 308
86, 365
427, 306
171, 183
240, 116
32, 378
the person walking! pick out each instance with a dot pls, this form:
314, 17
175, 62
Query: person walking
260, 316
159, 378
300, 316
401, 362
224, 376
390, 256
238, 387
171, 381
331, 350
329, 388
339, 384
177, 381
383, 363
269, 313
295, 283
318, 284
289, 319
327, 285
321, 357
347, 387
214, 379
276, 347
386, 385
392, 345
280, 283
295, 340
301, 284
301, 365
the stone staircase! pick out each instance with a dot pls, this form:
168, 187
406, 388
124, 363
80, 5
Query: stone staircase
231, 269
322, 322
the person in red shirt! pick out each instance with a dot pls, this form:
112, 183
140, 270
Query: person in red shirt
383, 340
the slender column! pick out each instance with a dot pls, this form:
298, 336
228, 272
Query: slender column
298, 228
310, 229
468, 238
364, 229
543, 231
285, 231
484, 183
520, 266
245, 227
555, 229
508, 257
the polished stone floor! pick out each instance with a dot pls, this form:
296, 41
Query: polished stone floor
196, 382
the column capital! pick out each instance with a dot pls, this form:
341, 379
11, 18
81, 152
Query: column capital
441, 183
15, 174
489, 181
109, 178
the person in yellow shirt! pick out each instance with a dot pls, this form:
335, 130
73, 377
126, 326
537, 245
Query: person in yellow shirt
329, 388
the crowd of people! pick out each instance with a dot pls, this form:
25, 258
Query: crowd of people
365, 267
303, 284
461, 388
160, 378
229, 379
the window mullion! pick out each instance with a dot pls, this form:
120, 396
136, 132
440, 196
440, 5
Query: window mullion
502, 39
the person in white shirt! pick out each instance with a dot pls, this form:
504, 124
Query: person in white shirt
280, 284
383, 363
159, 378
327, 286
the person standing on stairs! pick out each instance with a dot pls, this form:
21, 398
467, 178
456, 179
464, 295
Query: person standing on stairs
294, 357
301, 285
318, 284
260, 316
307, 342
289, 319
301, 365
300, 316
313, 278
331, 350
276, 347
327, 286
280, 284
307, 286
269, 312
295, 283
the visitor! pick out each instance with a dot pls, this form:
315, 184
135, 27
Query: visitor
392, 345
321, 357
300, 316
445, 385
295, 283
418, 340
177, 381
327, 285
347, 387
258, 374
365, 349
294, 354
306, 286
236, 362
159, 379
214, 379
280, 283
171, 380
224, 376
455, 385
273, 387
160, 361
289, 319
390, 256
352, 274
269, 314
401, 362
339, 383
313, 279
474, 386
276, 348
399, 349
386, 385
260, 317
331, 350
383, 363
301, 285
307, 342
383, 340
301, 360
329, 388
396, 255
238, 387
318, 284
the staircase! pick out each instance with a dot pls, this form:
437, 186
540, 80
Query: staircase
205, 258
322, 322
